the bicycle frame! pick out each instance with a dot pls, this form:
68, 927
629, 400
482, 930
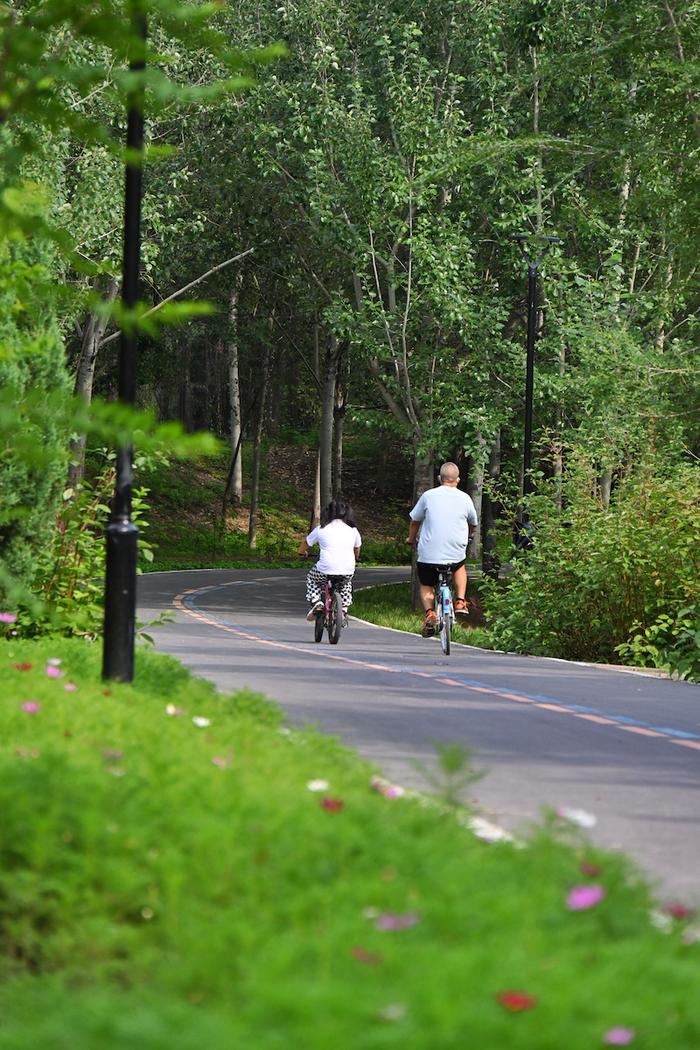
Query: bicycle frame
444, 608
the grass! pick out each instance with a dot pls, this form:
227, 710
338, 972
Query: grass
390, 606
165, 886
185, 501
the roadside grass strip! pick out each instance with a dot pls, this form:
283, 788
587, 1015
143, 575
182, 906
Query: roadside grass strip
181, 870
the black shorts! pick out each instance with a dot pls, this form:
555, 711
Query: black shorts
428, 573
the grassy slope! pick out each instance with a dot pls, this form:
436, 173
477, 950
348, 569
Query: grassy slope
390, 606
186, 499
153, 899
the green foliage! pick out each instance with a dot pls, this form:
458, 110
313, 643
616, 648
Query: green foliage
595, 575
33, 443
453, 774
671, 642
68, 588
170, 886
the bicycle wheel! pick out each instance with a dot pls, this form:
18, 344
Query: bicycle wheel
335, 619
445, 625
319, 624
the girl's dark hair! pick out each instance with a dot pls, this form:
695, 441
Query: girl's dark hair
338, 508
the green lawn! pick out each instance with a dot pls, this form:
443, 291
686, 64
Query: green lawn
167, 885
390, 606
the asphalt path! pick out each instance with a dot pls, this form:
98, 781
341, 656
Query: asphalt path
624, 747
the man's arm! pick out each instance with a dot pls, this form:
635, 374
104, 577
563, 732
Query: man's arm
413, 529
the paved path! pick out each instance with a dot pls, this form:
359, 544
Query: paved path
623, 746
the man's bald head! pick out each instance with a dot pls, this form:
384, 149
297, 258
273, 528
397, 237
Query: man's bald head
449, 474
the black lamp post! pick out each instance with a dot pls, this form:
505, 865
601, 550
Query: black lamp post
533, 265
122, 534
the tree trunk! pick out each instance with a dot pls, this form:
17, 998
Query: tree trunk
423, 479
490, 562
325, 437
475, 488
235, 387
605, 484
316, 508
558, 456
339, 409
185, 402
85, 378
255, 473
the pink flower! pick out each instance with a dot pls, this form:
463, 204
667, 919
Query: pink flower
678, 911
516, 1002
389, 922
70, 687
580, 898
32, 707
54, 672
8, 618
619, 1036
386, 788
221, 762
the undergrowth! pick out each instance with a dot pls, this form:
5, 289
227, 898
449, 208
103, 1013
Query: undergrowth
169, 881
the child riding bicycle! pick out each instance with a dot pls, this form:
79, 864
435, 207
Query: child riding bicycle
339, 543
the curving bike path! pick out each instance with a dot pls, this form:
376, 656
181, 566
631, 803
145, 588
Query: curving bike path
623, 746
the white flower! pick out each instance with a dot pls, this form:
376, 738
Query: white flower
317, 785
582, 817
201, 722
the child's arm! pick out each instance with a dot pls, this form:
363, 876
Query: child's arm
304, 548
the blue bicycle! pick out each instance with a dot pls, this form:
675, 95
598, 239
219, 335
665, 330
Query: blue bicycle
444, 607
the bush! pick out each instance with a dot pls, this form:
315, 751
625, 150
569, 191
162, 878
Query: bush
595, 577
672, 642
33, 436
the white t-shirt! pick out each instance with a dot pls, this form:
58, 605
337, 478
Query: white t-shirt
337, 542
445, 514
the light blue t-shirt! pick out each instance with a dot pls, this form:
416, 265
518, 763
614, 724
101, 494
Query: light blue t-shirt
445, 514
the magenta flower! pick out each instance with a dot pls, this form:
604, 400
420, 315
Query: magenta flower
70, 687
54, 672
8, 618
389, 922
580, 898
619, 1036
32, 707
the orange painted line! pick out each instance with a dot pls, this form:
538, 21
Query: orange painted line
555, 707
595, 718
643, 732
695, 744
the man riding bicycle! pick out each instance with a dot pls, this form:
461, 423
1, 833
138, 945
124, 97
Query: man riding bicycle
443, 516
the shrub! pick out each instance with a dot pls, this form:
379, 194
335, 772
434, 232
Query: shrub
33, 437
596, 576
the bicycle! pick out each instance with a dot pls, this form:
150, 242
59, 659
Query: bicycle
331, 618
444, 607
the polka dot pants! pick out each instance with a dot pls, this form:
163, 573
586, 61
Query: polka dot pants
315, 588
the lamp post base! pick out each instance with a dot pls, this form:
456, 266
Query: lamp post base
120, 601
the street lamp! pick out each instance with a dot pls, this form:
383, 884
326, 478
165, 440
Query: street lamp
533, 265
122, 533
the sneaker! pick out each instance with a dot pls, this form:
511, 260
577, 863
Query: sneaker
314, 611
429, 624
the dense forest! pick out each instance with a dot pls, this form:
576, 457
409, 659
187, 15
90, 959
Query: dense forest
340, 180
